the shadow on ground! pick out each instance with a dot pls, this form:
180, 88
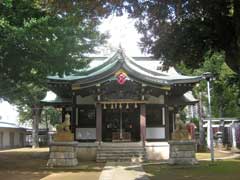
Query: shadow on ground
219, 170
30, 164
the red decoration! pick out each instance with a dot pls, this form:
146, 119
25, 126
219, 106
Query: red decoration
121, 78
191, 129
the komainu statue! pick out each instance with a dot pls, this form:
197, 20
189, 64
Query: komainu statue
63, 130
65, 126
181, 132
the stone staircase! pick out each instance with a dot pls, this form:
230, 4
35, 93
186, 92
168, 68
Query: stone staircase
121, 152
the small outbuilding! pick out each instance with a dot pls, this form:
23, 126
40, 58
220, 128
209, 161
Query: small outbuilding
11, 135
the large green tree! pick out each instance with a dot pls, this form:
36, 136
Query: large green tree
185, 30
224, 89
225, 85
40, 38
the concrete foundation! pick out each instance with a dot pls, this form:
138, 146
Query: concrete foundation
157, 150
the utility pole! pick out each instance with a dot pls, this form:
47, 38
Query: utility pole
201, 128
208, 77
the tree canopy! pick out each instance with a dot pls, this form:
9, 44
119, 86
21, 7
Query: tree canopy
37, 40
40, 38
224, 86
185, 30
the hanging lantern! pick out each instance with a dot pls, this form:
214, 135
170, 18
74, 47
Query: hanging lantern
116, 106
135, 105
127, 106
104, 106
98, 97
120, 106
112, 106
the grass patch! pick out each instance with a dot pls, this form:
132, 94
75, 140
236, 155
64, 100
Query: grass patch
219, 170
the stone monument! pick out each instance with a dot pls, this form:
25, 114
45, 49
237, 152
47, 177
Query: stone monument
63, 149
182, 148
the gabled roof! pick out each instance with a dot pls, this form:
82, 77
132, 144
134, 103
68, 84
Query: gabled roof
143, 69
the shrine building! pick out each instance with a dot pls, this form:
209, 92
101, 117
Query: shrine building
121, 101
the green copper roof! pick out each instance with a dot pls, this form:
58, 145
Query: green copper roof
143, 69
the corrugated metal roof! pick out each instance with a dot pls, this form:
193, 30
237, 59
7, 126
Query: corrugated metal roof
9, 125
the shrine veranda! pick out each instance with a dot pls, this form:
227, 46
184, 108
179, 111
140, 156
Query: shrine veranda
121, 101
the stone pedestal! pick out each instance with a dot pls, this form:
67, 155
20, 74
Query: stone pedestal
182, 152
63, 137
62, 154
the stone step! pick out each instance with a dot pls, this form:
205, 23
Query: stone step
124, 149
121, 152
120, 155
121, 159
134, 159
105, 154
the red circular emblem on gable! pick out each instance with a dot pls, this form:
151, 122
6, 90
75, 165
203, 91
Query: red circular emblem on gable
121, 78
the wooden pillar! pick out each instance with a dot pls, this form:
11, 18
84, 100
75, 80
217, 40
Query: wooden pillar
63, 114
143, 123
167, 133
73, 114
167, 130
99, 122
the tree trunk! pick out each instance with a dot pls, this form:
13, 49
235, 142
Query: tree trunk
221, 109
201, 128
35, 125
178, 8
47, 129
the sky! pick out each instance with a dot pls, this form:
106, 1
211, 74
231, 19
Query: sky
122, 32
8, 112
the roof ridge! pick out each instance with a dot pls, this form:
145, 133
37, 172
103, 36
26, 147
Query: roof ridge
131, 60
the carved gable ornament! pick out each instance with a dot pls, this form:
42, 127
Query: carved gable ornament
121, 77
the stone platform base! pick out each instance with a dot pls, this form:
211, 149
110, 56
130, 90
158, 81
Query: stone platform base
62, 154
182, 152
